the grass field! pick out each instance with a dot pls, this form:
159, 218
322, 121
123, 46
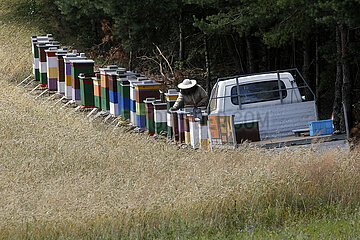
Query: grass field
62, 177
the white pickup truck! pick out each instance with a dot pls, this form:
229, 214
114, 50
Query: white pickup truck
273, 100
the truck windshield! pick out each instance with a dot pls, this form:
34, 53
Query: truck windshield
258, 92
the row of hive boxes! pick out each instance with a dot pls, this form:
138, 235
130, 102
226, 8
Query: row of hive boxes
56, 68
181, 125
113, 89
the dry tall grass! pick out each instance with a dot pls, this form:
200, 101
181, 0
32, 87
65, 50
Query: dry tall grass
63, 177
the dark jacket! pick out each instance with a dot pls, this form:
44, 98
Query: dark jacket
198, 98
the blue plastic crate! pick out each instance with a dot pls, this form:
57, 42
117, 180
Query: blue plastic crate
323, 127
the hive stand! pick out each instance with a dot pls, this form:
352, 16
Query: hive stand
23, 81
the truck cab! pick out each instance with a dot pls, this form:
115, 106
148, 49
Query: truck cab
272, 99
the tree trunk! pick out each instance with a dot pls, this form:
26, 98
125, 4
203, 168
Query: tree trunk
346, 86
181, 37
294, 52
253, 68
207, 64
317, 71
130, 55
306, 67
231, 49
242, 70
337, 113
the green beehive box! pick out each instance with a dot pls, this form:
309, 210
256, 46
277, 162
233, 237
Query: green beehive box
87, 90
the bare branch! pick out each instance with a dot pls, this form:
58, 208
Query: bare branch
162, 55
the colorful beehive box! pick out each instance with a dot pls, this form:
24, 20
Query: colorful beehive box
61, 71
87, 90
35, 40
143, 90
97, 90
180, 117
113, 92
52, 67
105, 76
124, 94
204, 132
124, 98
132, 83
160, 114
323, 127
150, 122
187, 129
79, 66
183, 125
68, 75
175, 126
194, 131
171, 97
42, 61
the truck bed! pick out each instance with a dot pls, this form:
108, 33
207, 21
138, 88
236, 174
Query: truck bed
297, 141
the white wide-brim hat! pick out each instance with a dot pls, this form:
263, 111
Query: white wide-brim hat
186, 84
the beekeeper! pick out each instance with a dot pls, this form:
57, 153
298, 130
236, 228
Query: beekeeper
191, 95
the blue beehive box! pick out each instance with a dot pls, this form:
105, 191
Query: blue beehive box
323, 127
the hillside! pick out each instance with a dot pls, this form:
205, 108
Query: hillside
64, 177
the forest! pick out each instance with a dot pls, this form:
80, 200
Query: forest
208, 39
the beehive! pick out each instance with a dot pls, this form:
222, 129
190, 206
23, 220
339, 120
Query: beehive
124, 94
149, 109
204, 132
85, 66
105, 84
171, 97
35, 40
175, 126
124, 98
180, 117
68, 75
132, 95
52, 66
143, 90
194, 131
97, 90
86, 90
42, 61
160, 113
113, 92
61, 71
187, 129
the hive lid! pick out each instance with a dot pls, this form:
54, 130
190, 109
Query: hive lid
85, 61
149, 100
48, 36
159, 102
142, 78
124, 82
71, 56
42, 44
120, 71
148, 82
172, 92
86, 75
97, 76
111, 69
185, 110
128, 74
52, 49
61, 52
